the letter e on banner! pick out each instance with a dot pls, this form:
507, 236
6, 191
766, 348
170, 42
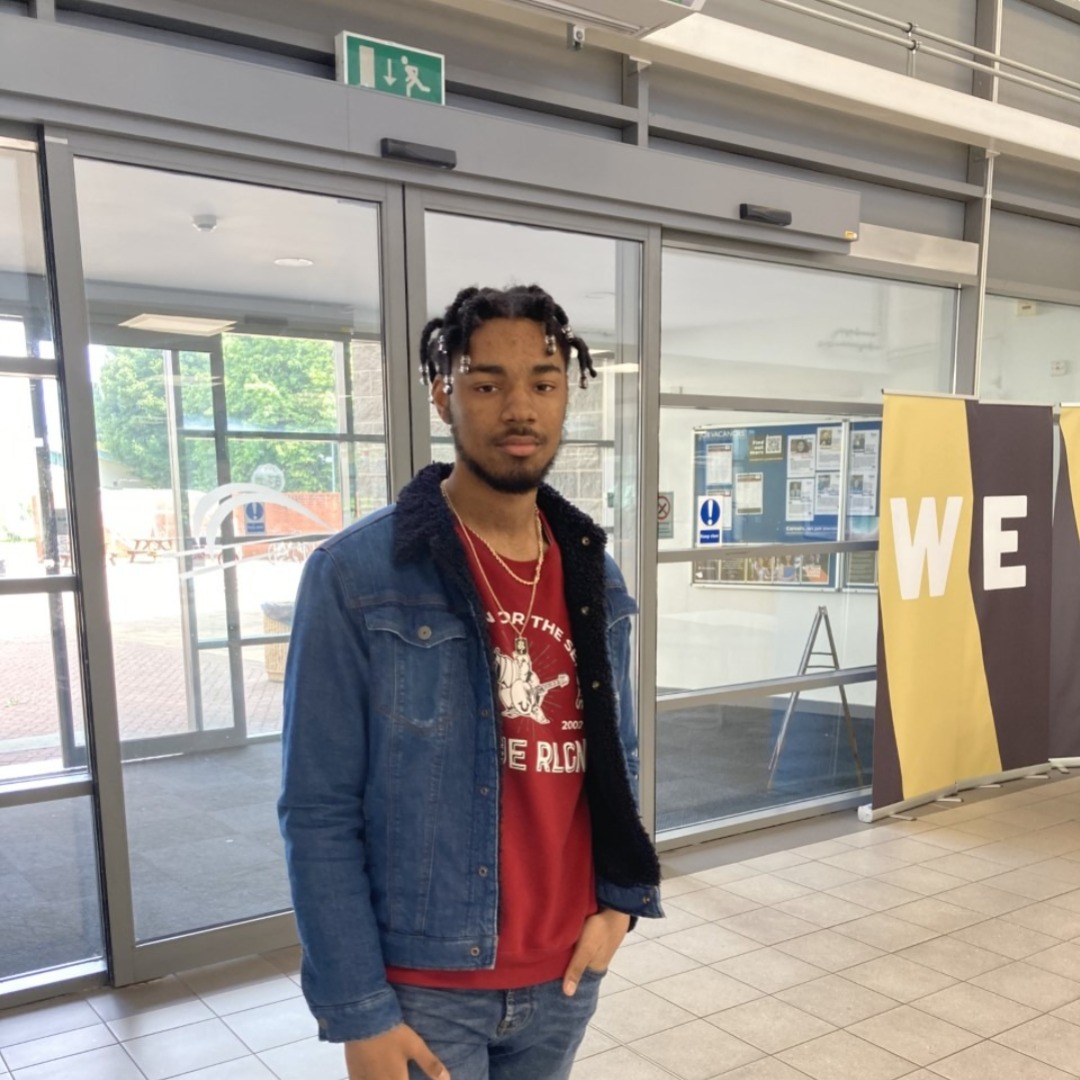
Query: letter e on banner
927, 547
998, 541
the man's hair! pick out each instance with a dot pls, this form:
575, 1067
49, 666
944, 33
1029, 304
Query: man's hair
448, 337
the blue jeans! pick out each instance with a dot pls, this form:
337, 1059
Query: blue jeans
527, 1034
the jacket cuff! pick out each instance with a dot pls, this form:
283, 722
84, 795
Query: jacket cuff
374, 1015
639, 901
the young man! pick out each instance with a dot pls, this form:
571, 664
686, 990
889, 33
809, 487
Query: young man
459, 798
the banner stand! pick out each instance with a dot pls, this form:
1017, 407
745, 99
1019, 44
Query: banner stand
1064, 764
869, 814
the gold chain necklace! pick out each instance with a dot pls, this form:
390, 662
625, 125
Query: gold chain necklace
521, 644
499, 559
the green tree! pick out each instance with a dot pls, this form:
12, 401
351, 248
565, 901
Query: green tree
271, 384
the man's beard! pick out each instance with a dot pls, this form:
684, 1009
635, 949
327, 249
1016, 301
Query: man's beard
520, 480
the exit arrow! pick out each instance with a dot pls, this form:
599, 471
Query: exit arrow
388, 78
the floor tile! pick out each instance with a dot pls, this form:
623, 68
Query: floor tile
765, 1069
1000, 936
1030, 884
240, 984
40, 1020
287, 960
898, 978
829, 950
770, 1024
1070, 901
922, 880
913, 1035
633, 1014
648, 961
674, 920
249, 1068
619, 1064
770, 889
989, 1061
1009, 854
1059, 869
768, 926
954, 839
819, 875
841, 1056
978, 1010
779, 860
718, 875
696, 1051
180, 1050
864, 861
1020, 981
819, 850
709, 943
306, 1060
108, 1063
111, 1004
65, 1044
823, 910
704, 991
769, 970
154, 1020
875, 894
273, 1025
936, 914
956, 958
983, 897
1061, 958
836, 1000
882, 931
989, 829
595, 1042
910, 850
1049, 1039
713, 903
1047, 919
965, 867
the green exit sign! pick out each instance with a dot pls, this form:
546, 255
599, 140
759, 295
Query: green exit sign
391, 68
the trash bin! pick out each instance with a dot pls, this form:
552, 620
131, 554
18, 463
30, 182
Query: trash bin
277, 619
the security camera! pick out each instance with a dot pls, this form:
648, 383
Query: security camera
575, 36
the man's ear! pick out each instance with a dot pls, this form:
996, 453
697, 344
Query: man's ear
440, 398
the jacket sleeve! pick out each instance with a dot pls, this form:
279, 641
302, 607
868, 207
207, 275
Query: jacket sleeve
321, 811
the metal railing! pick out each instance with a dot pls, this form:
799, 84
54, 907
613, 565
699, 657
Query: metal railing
915, 39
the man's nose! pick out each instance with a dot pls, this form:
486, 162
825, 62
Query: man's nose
519, 403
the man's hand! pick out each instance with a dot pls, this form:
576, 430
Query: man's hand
600, 938
387, 1056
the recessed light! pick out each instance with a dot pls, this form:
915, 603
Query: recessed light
180, 324
293, 262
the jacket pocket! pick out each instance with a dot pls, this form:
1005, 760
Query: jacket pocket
418, 661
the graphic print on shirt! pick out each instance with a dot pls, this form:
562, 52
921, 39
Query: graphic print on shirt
521, 693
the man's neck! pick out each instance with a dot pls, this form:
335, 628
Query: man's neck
508, 522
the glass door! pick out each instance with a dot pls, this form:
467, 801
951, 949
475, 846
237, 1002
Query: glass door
597, 279
237, 365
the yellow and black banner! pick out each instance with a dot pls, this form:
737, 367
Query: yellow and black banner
1065, 604
964, 632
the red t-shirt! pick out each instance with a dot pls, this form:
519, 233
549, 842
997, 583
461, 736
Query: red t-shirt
546, 885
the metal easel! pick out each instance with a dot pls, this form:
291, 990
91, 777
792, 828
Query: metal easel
821, 618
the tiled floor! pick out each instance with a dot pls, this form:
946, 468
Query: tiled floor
945, 947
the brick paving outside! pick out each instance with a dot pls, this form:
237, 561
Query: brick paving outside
144, 599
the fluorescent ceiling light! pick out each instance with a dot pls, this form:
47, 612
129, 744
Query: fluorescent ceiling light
180, 324
293, 260
11, 143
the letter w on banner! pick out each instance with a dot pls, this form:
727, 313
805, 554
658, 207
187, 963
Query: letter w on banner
964, 631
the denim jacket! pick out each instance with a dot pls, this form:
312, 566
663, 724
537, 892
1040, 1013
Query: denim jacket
390, 800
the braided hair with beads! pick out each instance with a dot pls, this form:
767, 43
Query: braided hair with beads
449, 336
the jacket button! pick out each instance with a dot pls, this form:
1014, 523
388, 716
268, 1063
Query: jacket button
585, 541
474, 951
585, 610
483, 791
596, 684
483, 871
424, 633
485, 712
646, 900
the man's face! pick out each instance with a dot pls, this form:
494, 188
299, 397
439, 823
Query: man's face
507, 413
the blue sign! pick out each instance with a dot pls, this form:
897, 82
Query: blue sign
255, 518
710, 520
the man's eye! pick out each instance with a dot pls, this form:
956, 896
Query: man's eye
546, 388
485, 388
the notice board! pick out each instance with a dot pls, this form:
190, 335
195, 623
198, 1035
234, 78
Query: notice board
781, 484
